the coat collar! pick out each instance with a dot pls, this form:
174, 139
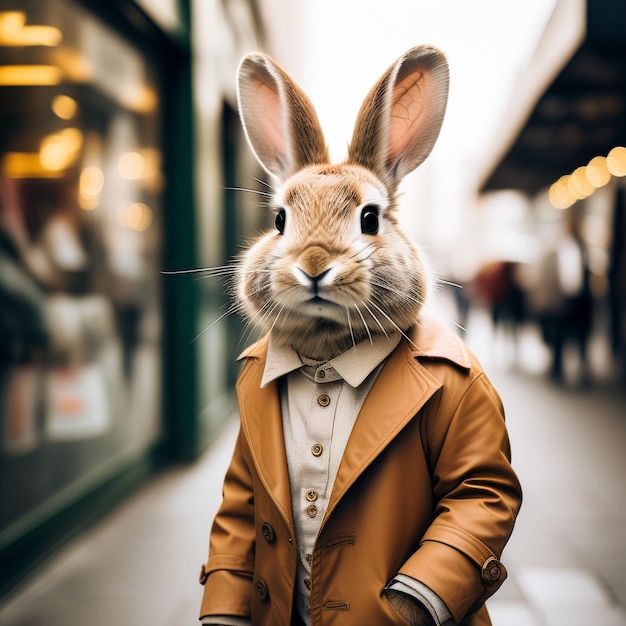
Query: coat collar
431, 339
402, 388
428, 339
353, 366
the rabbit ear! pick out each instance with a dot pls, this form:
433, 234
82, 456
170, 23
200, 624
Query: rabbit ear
400, 119
279, 120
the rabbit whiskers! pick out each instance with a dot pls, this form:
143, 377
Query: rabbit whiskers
272, 311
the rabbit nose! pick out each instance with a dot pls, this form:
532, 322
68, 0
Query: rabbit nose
308, 281
312, 265
311, 268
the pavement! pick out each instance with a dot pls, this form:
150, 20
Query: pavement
566, 559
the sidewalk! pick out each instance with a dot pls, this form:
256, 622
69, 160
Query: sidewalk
567, 556
140, 564
566, 560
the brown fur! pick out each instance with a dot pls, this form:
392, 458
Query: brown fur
323, 285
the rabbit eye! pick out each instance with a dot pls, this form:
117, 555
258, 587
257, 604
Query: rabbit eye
369, 220
279, 221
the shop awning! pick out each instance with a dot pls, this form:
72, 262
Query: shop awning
571, 104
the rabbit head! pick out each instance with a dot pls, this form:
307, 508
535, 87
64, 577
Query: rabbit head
337, 268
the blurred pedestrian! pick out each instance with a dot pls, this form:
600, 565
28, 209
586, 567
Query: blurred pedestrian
563, 299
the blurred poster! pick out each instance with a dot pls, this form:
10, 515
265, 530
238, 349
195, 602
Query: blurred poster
77, 404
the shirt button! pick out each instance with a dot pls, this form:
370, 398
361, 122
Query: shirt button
323, 400
308, 558
311, 511
307, 583
317, 449
321, 374
311, 495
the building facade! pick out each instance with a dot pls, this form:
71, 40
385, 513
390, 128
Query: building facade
119, 150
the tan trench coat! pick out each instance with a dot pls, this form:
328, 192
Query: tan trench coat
425, 488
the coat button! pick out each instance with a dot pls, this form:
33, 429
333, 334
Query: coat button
317, 449
324, 400
261, 591
492, 570
268, 533
311, 495
204, 575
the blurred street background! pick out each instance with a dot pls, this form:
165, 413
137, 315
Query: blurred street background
122, 164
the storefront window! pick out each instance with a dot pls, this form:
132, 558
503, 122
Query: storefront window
80, 189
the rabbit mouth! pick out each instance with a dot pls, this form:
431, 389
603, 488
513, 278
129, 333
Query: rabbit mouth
320, 303
320, 308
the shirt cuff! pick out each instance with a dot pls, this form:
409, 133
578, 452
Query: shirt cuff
431, 601
226, 620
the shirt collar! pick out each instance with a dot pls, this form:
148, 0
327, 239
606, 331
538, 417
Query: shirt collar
353, 365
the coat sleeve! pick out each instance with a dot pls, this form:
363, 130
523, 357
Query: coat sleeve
477, 495
227, 575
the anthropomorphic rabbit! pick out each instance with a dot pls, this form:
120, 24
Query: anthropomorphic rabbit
371, 482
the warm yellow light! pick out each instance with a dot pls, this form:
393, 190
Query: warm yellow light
53, 154
579, 185
151, 175
152, 161
131, 165
75, 66
73, 138
64, 107
140, 98
560, 195
14, 32
139, 216
616, 161
25, 165
597, 172
91, 181
88, 203
135, 215
59, 151
40, 36
11, 25
27, 75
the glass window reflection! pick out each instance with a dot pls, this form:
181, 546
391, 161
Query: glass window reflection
80, 191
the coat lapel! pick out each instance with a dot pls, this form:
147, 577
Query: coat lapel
402, 388
262, 425
400, 391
